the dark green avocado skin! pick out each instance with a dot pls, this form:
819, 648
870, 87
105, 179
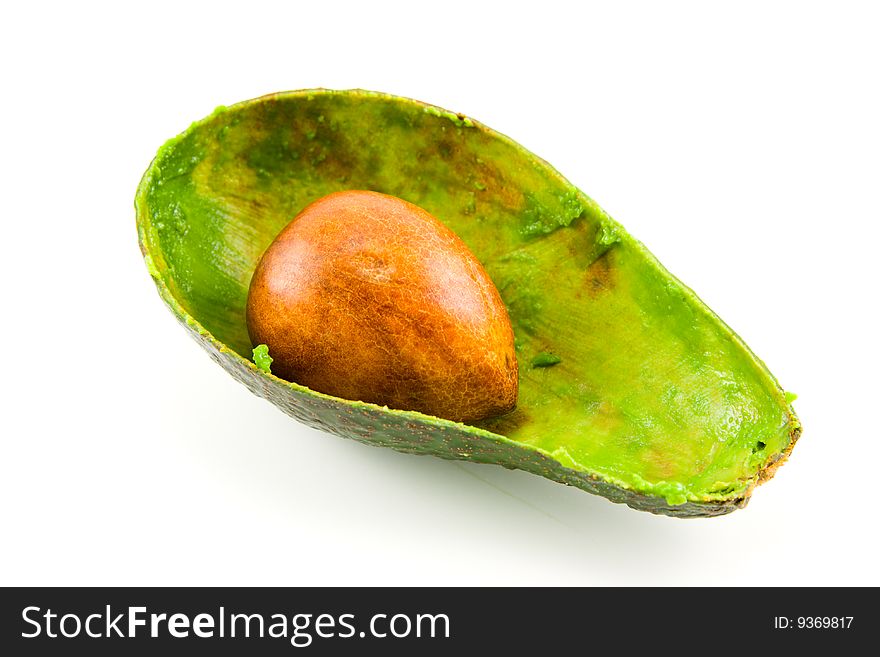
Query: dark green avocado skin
372, 426
630, 387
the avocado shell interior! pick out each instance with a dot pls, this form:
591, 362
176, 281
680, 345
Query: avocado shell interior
630, 387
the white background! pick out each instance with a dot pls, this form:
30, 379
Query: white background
741, 144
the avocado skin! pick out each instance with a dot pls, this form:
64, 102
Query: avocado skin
413, 433
548, 207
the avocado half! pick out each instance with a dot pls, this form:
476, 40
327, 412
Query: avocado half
630, 387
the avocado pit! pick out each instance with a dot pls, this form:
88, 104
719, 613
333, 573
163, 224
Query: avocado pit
367, 297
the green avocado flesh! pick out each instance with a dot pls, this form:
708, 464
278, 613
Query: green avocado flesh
630, 387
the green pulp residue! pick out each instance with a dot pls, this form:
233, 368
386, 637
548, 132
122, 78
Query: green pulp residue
607, 235
790, 397
544, 214
262, 359
459, 120
545, 360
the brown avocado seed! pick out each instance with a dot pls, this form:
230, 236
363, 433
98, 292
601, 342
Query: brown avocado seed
367, 297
